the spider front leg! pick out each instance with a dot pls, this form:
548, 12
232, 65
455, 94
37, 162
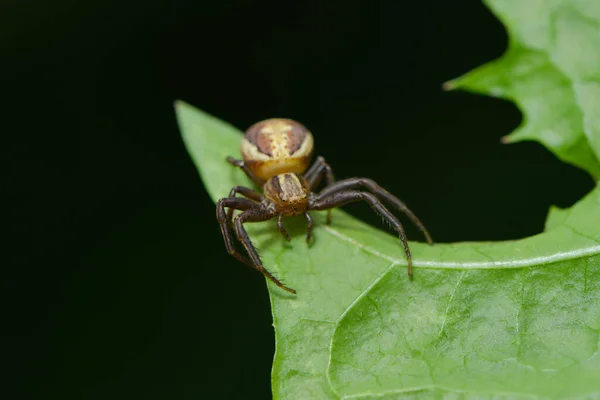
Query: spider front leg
240, 164
244, 191
226, 224
256, 215
351, 196
315, 174
381, 193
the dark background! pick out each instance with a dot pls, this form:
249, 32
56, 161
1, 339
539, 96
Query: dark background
120, 286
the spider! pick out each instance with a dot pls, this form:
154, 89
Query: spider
275, 155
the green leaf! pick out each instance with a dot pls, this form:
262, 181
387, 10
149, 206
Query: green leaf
514, 319
552, 71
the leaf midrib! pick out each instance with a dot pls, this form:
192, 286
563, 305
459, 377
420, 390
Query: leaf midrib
440, 388
508, 264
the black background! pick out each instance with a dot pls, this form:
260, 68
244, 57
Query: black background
120, 286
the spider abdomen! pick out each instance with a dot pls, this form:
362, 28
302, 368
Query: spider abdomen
276, 146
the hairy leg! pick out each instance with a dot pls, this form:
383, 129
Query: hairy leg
226, 224
256, 215
352, 196
381, 193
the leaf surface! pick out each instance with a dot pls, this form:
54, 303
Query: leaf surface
515, 319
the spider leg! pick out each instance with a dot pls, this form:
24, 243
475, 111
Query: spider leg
319, 170
240, 164
255, 215
226, 224
381, 193
351, 196
309, 229
315, 175
281, 228
244, 191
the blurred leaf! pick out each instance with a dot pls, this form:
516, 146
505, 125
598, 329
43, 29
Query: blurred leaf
515, 319
552, 71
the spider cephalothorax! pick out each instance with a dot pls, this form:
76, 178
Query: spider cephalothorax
288, 193
276, 154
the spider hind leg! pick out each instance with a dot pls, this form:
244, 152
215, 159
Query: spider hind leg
242, 165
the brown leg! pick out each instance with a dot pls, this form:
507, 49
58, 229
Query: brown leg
381, 193
352, 196
255, 215
226, 224
244, 191
309, 229
281, 228
315, 175
319, 170
239, 163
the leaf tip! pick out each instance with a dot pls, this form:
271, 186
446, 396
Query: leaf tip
506, 139
518, 135
449, 85
180, 105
